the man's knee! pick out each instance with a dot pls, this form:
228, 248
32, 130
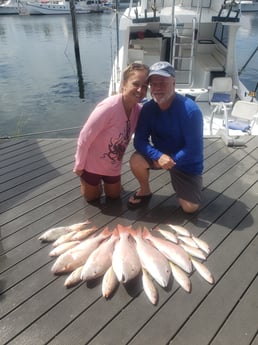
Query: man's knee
187, 206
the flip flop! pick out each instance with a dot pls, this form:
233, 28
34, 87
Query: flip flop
143, 200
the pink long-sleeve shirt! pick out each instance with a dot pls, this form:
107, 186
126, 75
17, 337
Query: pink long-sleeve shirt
105, 136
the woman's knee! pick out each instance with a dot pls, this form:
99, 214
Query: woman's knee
89, 192
113, 190
138, 161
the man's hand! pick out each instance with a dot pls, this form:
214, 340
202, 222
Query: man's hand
165, 162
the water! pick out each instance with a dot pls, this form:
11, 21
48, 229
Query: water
39, 83
247, 42
40, 89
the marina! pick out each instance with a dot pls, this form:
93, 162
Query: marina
200, 44
39, 191
46, 109
43, 109
53, 7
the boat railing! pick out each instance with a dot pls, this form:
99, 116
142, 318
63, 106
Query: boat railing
248, 60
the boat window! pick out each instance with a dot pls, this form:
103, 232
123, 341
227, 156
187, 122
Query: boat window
221, 33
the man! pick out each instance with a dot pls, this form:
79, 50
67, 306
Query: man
169, 135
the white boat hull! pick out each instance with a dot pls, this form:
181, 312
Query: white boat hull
248, 6
194, 44
9, 7
56, 8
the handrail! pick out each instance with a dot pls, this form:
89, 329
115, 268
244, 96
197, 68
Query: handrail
248, 60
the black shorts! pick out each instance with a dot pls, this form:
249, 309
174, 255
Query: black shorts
95, 179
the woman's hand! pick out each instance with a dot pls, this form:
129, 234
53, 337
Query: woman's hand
78, 172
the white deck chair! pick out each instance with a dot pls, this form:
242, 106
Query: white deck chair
222, 95
243, 117
222, 90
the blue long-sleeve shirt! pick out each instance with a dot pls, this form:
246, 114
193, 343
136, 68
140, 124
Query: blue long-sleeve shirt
177, 132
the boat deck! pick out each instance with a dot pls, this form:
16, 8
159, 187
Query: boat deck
39, 191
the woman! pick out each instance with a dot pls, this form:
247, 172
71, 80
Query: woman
106, 135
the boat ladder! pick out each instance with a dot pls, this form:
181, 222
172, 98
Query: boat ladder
183, 51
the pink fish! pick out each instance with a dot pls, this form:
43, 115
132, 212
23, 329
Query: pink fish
149, 287
74, 277
78, 255
172, 251
155, 263
203, 270
181, 277
109, 282
100, 259
63, 247
125, 260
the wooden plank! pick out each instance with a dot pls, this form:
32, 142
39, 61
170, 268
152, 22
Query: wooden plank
37, 308
172, 314
36, 160
255, 341
229, 288
241, 325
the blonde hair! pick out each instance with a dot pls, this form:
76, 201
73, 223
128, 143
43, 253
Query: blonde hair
135, 66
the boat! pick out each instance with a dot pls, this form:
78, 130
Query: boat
198, 37
56, 7
12, 7
247, 5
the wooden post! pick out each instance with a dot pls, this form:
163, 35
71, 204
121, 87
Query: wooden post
77, 49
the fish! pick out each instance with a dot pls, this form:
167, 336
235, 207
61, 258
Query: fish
109, 282
188, 240
170, 236
155, 263
149, 287
63, 247
202, 244
74, 277
64, 238
83, 234
78, 255
171, 251
52, 234
100, 259
203, 271
197, 252
180, 229
79, 226
125, 260
181, 277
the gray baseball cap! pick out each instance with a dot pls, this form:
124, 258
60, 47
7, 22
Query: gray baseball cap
162, 68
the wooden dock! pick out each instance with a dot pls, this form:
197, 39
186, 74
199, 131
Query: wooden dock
39, 191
